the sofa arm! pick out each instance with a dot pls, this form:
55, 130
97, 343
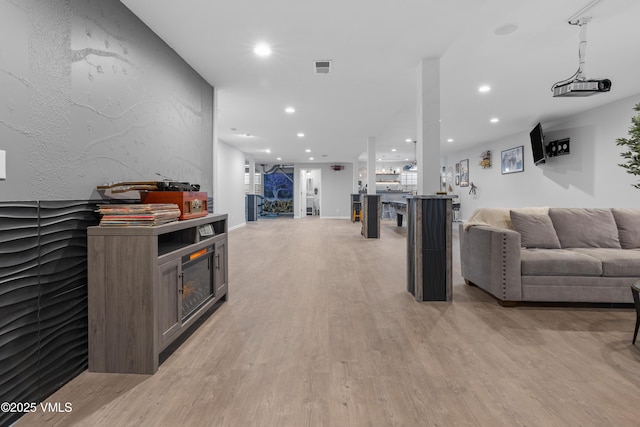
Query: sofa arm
490, 258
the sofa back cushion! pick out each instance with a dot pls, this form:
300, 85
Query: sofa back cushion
499, 217
628, 222
536, 230
585, 228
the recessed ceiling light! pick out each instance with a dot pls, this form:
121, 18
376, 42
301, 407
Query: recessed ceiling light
290, 110
278, 158
406, 160
307, 151
247, 135
310, 158
267, 151
394, 150
300, 135
494, 120
484, 88
262, 50
450, 140
408, 140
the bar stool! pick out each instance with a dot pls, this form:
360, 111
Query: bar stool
357, 212
635, 290
455, 208
386, 210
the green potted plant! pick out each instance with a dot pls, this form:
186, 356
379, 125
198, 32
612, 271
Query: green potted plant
632, 143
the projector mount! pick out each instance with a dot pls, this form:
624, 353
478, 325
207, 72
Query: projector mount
578, 84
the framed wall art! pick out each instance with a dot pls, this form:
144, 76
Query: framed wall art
485, 161
464, 173
512, 160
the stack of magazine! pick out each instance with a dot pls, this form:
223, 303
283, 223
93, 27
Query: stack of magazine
147, 214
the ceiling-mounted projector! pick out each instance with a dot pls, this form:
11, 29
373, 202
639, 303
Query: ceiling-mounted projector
578, 84
581, 87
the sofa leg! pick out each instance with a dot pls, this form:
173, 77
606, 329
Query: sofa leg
507, 303
469, 283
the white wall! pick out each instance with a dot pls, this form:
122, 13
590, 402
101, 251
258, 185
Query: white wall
67, 126
587, 177
335, 198
229, 178
335, 202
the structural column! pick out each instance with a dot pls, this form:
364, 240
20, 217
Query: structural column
428, 142
356, 204
356, 176
429, 247
370, 212
371, 165
252, 176
215, 176
252, 199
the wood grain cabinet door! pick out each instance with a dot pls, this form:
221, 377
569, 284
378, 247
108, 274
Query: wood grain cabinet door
220, 276
169, 301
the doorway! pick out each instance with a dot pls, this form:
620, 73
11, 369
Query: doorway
310, 192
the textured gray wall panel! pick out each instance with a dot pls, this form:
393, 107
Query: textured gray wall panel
91, 95
43, 297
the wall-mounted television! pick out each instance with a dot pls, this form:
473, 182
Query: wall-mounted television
537, 144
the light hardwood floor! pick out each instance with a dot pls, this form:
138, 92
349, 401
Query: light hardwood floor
320, 331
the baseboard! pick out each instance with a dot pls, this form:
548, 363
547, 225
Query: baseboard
235, 227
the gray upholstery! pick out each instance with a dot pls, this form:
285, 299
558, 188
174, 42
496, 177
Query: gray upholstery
502, 277
585, 228
536, 230
615, 262
627, 221
591, 266
576, 289
558, 262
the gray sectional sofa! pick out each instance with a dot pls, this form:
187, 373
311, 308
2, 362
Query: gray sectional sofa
552, 254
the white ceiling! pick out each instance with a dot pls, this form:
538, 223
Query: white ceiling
376, 46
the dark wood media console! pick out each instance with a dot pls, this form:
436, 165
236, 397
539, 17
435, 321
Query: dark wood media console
147, 285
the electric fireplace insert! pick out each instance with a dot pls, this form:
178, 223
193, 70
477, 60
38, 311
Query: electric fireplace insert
197, 280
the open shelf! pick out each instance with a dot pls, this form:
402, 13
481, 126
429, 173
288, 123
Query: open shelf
175, 240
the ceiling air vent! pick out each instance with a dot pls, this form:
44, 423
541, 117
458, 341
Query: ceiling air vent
322, 67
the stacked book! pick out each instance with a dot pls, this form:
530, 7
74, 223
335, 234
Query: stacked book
146, 214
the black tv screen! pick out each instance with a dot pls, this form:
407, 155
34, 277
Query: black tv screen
537, 144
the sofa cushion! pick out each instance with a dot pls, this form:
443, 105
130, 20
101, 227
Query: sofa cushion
615, 262
499, 217
585, 228
536, 230
628, 222
558, 262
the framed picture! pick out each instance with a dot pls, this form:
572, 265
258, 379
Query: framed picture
457, 168
486, 159
464, 173
512, 160
457, 179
